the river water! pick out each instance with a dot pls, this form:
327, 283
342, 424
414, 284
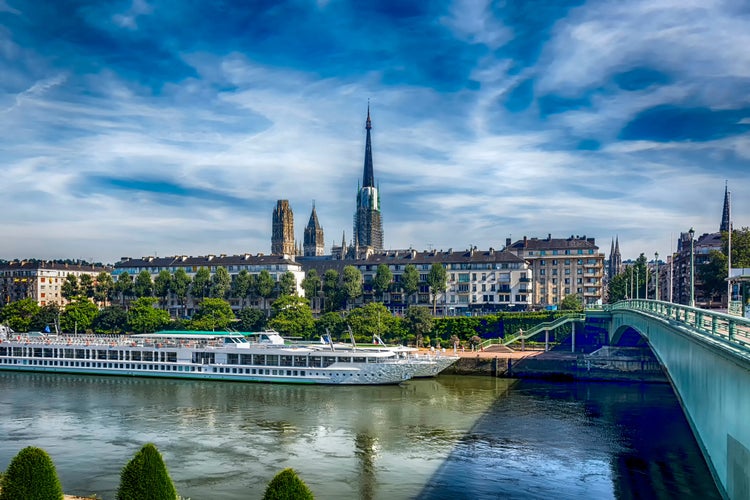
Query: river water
452, 437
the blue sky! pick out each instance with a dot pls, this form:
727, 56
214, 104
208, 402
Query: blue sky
167, 127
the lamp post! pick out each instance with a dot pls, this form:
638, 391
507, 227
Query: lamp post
656, 279
692, 269
631, 282
637, 284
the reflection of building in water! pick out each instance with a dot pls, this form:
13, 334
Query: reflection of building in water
366, 451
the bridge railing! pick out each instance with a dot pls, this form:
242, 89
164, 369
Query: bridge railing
732, 329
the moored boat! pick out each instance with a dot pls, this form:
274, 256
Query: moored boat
262, 357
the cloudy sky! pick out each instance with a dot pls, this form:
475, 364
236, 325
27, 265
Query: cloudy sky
166, 127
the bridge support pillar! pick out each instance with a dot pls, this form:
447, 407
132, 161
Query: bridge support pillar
573, 339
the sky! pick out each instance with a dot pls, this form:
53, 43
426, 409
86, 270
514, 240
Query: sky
168, 127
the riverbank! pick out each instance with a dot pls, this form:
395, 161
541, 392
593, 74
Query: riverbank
605, 364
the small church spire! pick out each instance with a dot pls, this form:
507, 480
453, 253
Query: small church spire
726, 214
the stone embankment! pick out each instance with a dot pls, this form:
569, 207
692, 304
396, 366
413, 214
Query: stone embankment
607, 363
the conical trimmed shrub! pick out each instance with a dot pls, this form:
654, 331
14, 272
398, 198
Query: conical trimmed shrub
31, 475
145, 477
286, 485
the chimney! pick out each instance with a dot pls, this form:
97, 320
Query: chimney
524, 241
507, 242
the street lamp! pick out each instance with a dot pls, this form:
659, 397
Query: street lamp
637, 284
656, 280
692, 269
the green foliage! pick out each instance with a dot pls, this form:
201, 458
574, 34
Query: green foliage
201, 283
47, 315
437, 279
410, 280
740, 247
180, 285
382, 281
104, 288
287, 284
331, 321
143, 286
144, 318
264, 286
351, 284
212, 314
311, 284
69, 288
146, 477
331, 290
19, 314
291, 316
287, 485
162, 285
712, 274
111, 319
242, 285
368, 320
618, 288
78, 316
86, 286
31, 475
124, 286
251, 320
571, 302
221, 283
418, 321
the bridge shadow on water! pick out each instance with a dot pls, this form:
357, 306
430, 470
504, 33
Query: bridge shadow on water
577, 440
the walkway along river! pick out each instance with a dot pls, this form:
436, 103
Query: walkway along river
450, 437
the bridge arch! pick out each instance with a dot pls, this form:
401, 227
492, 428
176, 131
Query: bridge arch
706, 356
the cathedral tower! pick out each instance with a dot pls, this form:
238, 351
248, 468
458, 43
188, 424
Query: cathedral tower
282, 239
313, 243
368, 227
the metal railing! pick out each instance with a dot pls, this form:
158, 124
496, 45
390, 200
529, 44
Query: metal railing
729, 329
541, 327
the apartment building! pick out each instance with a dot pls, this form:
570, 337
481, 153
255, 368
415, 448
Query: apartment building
40, 280
562, 266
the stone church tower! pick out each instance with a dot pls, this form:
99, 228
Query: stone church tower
368, 227
615, 259
282, 239
314, 244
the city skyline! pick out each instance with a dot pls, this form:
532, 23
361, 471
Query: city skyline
145, 128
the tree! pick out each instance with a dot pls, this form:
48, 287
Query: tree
31, 475
287, 284
145, 477
419, 321
124, 286
47, 315
86, 286
330, 322
617, 288
351, 284
571, 302
180, 286
437, 279
291, 315
286, 485
162, 286
143, 286
369, 320
251, 320
221, 283
78, 315
311, 284
69, 288
382, 281
111, 319
212, 314
201, 283
144, 318
104, 287
712, 275
241, 286
410, 280
331, 291
264, 287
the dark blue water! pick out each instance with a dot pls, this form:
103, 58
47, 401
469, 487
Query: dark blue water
450, 437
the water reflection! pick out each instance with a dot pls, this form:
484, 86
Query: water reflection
451, 437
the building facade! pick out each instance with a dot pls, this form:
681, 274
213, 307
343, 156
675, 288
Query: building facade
477, 281
275, 265
561, 267
282, 237
368, 225
41, 280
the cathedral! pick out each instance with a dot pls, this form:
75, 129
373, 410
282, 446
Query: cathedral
368, 226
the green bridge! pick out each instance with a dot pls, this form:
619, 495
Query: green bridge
706, 356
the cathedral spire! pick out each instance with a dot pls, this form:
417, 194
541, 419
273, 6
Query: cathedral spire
368, 180
726, 214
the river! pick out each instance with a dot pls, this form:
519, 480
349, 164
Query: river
450, 437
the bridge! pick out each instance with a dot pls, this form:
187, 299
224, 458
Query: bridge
706, 356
